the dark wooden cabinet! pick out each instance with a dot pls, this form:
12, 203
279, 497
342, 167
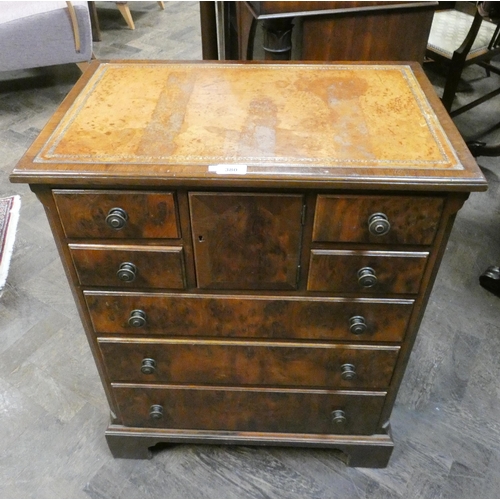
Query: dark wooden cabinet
252, 253
318, 31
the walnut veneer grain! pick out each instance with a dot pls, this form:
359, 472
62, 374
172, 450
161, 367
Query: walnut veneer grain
248, 191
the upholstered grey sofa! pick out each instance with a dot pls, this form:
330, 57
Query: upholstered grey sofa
35, 34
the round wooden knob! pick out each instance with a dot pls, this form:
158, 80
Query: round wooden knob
148, 366
367, 277
338, 417
357, 325
378, 224
348, 371
127, 272
137, 318
116, 218
156, 412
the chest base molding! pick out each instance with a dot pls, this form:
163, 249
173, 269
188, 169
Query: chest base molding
356, 451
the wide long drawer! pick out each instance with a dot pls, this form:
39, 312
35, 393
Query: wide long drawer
253, 363
183, 315
249, 409
131, 266
117, 214
367, 272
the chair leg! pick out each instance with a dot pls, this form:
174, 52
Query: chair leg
125, 11
451, 85
490, 280
83, 65
94, 22
162, 5
487, 63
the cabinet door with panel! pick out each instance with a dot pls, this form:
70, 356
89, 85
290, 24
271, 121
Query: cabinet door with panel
246, 240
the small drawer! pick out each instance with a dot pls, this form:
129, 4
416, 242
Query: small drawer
249, 409
403, 220
374, 320
366, 272
237, 363
129, 266
117, 214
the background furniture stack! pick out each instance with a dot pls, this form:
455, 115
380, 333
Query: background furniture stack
325, 31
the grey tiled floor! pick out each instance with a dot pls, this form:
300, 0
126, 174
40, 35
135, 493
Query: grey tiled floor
53, 413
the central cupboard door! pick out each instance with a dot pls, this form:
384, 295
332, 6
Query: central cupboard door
246, 241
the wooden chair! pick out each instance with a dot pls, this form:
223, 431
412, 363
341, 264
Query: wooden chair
459, 39
124, 9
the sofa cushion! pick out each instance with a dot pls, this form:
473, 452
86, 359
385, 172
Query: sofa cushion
12, 11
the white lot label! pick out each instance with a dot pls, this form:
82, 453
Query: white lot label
222, 169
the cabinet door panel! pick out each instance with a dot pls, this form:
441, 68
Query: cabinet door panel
246, 241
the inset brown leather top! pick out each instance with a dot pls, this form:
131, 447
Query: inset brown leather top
195, 120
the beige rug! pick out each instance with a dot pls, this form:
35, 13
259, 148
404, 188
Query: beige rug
9, 216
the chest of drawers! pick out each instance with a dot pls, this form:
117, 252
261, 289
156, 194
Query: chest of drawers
251, 246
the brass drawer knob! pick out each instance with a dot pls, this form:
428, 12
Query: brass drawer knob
156, 412
148, 366
357, 325
378, 224
137, 318
116, 218
127, 272
338, 417
348, 371
367, 277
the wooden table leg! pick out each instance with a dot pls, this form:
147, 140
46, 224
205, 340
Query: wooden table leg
208, 31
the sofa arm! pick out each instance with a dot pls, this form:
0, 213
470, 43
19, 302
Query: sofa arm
44, 35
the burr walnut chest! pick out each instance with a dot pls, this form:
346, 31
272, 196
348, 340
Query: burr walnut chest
251, 246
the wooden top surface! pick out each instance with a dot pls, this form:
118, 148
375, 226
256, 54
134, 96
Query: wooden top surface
264, 10
349, 123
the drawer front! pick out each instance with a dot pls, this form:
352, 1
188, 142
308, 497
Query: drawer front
375, 320
129, 266
366, 272
330, 366
91, 214
252, 410
377, 219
